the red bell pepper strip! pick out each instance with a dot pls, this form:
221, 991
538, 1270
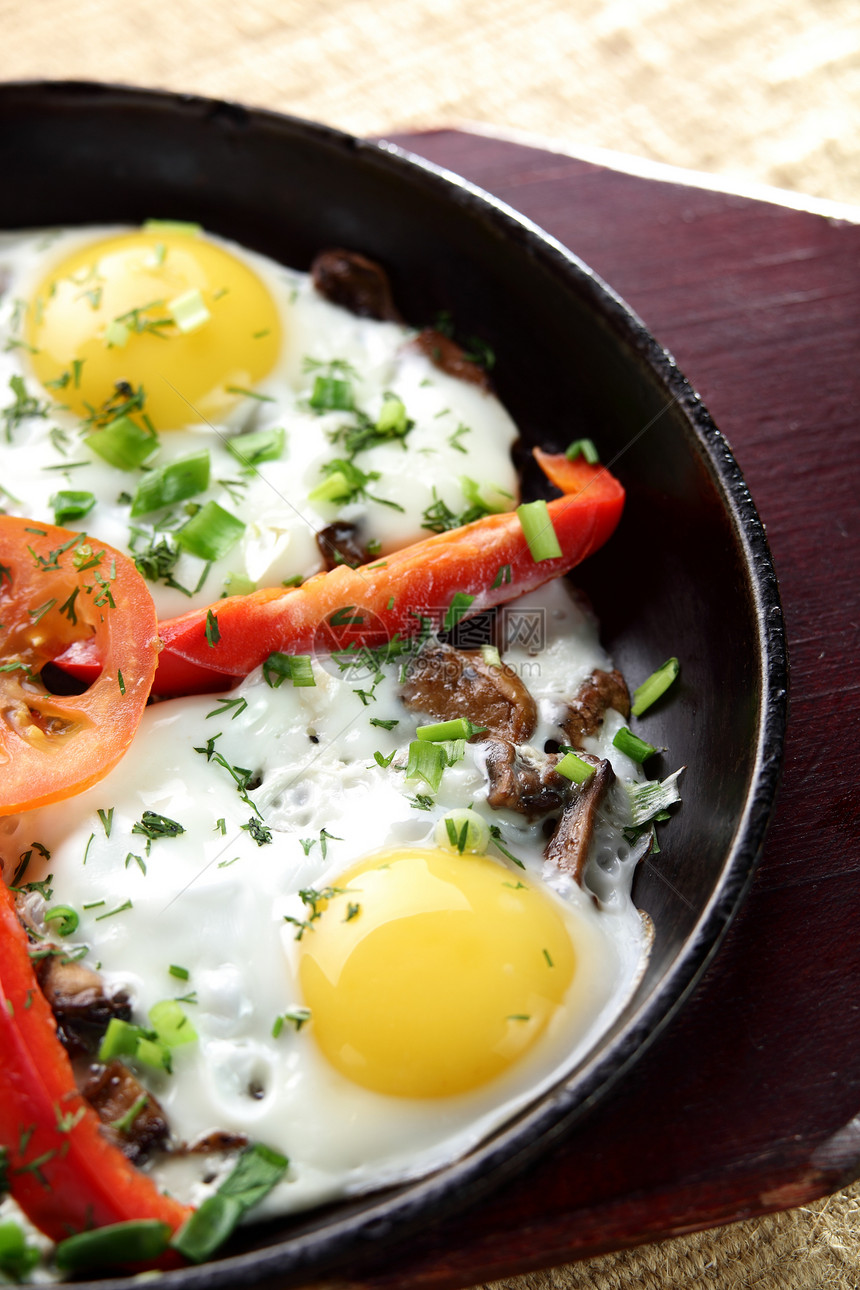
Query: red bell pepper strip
332, 610
62, 1171
488, 560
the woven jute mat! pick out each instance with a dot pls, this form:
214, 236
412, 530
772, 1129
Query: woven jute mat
752, 90
763, 90
807, 1249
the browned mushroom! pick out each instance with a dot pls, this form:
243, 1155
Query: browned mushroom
216, 1140
534, 788
568, 846
586, 711
449, 683
450, 357
355, 283
339, 544
80, 1002
131, 1116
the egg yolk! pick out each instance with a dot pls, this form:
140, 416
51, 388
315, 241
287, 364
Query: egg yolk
429, 973
167, 311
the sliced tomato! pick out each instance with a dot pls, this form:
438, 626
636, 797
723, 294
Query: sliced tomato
58, 588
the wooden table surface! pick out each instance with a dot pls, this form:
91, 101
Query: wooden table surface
747, 1102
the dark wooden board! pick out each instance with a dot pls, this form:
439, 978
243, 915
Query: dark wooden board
746, 1103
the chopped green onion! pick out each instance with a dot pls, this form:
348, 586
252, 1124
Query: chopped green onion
427, 761
236, 584
301, 671
182, 478
70, 506
392, 419
123, 444
649, 799
657, 684
440, 731
574, 768
463, 830
211, 533
171, 1024
123, 1039
153, 1053
257, 1172
582, 448
491, 656
208, 1227
116, 334
460, 603
260, 445
539, 532
280, 667
65, 917
635, 748
119, 1040
185, 228
17, 1258
335, 487
138, 1240
330, 393
189, 310
181, 973
504, 576
494, 498
455, 750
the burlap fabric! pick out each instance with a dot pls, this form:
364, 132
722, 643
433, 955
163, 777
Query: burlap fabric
747, 89
750, 89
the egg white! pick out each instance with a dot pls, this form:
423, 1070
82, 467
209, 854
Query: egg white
214, 902
272, 500
211, 899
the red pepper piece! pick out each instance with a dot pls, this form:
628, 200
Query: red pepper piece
421, 577
488, 560
63, 1172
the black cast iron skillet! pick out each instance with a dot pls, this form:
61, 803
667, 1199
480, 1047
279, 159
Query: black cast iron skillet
688, 572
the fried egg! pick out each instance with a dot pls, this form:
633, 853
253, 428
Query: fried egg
207, 410
366, 996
